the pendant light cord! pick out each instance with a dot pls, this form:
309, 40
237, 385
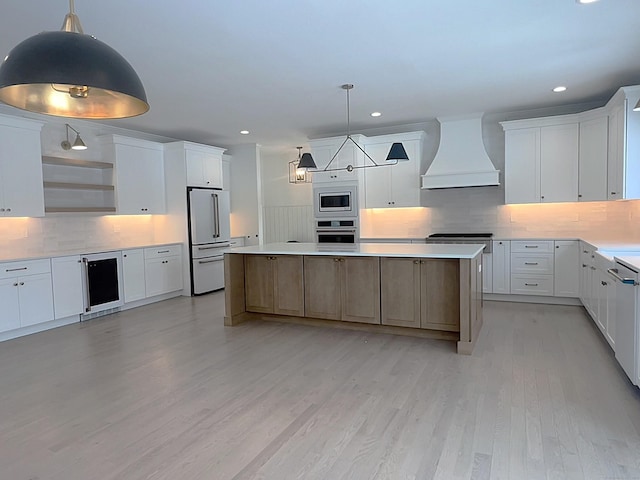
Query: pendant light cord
348, 115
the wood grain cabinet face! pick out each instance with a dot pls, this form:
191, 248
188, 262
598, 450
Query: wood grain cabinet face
342, 288
273, 284
421, 293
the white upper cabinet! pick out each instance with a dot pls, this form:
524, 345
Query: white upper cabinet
588, 156
541, 162
559, 163
139, 174
624, 145
594, 140
397, 185
201, 164
522, 166
323, 150
21, 188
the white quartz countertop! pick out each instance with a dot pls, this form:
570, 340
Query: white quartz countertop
366, 250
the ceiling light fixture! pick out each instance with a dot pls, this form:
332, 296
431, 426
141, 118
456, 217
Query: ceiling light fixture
78, 144
397, 153
244, 132
70, 74
376, 114
584, 2
559, 89
296, 173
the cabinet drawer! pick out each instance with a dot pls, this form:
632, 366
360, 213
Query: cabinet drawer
541, 264
532, 284
27, 267
162, 251
523, 246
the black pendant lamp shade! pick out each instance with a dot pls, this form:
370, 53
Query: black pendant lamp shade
397, 153
306, 161
71, 74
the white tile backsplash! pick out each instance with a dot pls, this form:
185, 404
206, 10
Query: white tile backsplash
26, 237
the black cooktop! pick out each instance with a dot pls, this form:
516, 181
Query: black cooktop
461, 235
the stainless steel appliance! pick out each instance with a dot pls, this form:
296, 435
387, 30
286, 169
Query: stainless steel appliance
464, 238
209, 236
627, 319
340, 200
337, 231
103, 286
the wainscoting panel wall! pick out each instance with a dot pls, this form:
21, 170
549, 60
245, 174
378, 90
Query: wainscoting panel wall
288, 223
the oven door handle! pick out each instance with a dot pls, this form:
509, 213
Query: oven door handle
85, 262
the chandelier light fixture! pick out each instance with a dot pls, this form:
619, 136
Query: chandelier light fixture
397, 153
70, 74
78, 144
298, 174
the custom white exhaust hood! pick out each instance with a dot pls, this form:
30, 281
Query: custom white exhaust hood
461, 160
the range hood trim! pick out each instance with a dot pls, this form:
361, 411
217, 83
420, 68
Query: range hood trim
461, 160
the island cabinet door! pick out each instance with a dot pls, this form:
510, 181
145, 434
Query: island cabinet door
360, 285
288, 294
322, 287
440, 285
258, 277
400, 289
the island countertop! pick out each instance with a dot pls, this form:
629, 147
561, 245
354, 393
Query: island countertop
403, 250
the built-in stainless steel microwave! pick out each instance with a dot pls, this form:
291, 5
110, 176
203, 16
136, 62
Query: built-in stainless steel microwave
336, 201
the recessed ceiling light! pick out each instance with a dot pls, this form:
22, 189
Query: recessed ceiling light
583, 2
244, 132
376, 114
560, 89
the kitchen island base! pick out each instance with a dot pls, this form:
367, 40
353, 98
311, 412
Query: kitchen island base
423, 293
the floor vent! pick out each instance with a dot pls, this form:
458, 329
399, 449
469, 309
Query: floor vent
102, 313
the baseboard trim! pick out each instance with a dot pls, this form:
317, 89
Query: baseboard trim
532, 299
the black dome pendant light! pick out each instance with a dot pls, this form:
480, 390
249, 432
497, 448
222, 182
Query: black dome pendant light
71, 74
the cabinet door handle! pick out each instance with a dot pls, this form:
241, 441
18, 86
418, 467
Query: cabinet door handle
21, 283
416, 262
604, 284
15, 284
531, 263
613, 193
531, 284
15, 269
1, 209
8, 210
531, 246
583, 265
336, 259
164, 251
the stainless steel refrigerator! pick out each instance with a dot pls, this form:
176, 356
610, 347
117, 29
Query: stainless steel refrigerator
209, 235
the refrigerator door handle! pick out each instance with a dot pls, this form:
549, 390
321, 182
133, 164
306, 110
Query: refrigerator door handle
216, 226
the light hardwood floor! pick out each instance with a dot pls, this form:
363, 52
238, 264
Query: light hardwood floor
166, 392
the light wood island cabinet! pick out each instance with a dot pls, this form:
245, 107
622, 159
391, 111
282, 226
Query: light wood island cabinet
432, 291
274, 284
342, 288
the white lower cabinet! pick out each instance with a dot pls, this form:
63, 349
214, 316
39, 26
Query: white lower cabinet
566, 261
501, 266
163, 269
532, 267
26, 294
68, 298
133, 275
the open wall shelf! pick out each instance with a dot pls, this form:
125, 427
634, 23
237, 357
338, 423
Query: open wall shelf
77, 186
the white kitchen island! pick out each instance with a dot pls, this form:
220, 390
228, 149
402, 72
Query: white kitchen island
424, 290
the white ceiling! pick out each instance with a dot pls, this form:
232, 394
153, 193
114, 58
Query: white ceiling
213, 68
